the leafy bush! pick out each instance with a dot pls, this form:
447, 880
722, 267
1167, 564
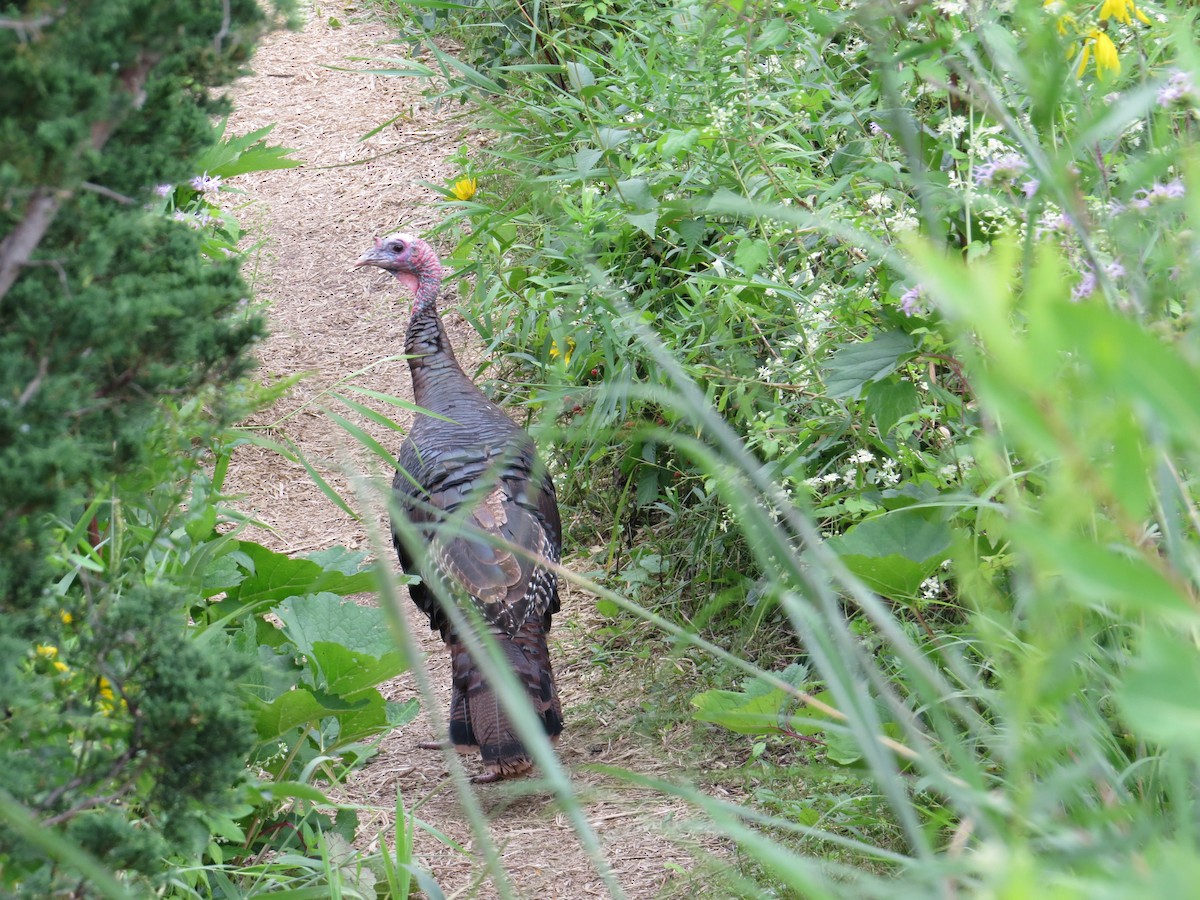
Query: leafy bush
168, 692
889, 308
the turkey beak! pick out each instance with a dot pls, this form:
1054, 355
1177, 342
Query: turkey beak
376, 256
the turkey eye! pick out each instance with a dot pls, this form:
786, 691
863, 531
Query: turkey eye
398, 247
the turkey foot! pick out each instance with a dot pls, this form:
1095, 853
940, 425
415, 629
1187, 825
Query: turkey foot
487, 778
433, 745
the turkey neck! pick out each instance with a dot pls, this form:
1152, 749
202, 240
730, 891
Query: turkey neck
436, 374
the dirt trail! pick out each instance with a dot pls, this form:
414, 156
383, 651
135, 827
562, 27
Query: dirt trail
330, 323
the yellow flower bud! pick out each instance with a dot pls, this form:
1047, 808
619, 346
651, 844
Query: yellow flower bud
46, 652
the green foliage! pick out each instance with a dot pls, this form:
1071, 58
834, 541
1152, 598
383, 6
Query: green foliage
821, 296
114, 308
145, 651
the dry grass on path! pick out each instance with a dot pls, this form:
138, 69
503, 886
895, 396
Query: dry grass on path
329, 323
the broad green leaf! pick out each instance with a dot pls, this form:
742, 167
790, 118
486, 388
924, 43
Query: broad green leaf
887, 402
644, 222
277, 576
325, 618
609, 138
894, 553
676, 143
759, 709
854, 365
342, 559
1136, 363
847, 157
841, 748
222, 574
740, 712
690, 231
585, 160
296, 790
288, 711
636, 192
368, 718
402, 713
772, 33
752, 255
346, 671
580, 76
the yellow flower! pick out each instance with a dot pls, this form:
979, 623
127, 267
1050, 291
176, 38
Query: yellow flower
1063, 20
46, 652
1119, 10
555, 352
61, 666
464, 188
67, 618
107, 701
1106, 55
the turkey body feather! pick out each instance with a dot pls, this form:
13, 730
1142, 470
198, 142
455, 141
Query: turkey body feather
470, 483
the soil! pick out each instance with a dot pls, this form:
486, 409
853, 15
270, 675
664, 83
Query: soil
336, 327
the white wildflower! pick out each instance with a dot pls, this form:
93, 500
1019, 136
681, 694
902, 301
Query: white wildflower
952, 126
879, 202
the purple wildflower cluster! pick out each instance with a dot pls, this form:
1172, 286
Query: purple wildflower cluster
1054, 223
910, 301
195, 221
1087, 283
1157, 194
1002, 172
206, 183
1179, 90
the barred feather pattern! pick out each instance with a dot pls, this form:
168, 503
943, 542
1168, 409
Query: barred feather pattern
515, 595
470, 483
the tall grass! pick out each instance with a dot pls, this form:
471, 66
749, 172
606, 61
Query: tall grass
883, 315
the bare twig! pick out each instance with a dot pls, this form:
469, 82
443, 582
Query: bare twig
31, 26
107, 192
94, 801
226, 17
32, 387
57, 266
80, 780
20, 243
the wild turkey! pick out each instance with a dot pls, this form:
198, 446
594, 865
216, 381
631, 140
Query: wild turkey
474, 455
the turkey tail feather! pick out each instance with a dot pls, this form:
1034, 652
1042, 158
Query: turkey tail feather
478, 719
